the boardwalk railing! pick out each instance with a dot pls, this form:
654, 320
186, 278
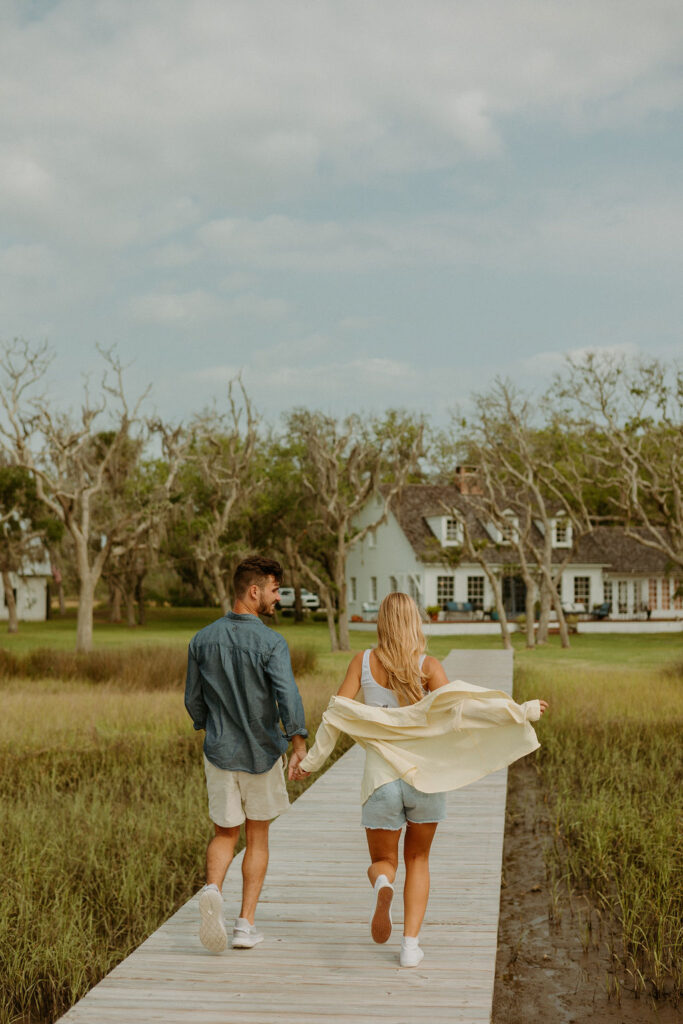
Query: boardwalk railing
318, 962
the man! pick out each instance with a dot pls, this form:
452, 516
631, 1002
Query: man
239, 687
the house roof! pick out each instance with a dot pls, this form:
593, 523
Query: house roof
607, 546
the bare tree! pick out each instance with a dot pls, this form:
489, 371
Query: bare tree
527, 477
630, 418
343, 465
218, 482
146, 490
68, 460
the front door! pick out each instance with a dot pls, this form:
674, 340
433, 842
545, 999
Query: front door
514, 595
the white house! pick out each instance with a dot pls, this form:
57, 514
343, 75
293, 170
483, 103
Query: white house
30, 592
404, 554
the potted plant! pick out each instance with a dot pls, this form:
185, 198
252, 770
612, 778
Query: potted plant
433, 612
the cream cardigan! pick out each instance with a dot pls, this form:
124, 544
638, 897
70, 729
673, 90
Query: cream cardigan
453, 736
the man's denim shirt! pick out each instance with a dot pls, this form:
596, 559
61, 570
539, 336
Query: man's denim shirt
239, 686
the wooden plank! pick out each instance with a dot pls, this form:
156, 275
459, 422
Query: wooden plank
318, 961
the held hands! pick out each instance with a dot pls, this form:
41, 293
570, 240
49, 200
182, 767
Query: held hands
294, 772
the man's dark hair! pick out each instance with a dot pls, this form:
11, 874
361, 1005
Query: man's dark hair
255, 570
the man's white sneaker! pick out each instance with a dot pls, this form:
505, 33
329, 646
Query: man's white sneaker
410, 956
212, 933
245, 935
380, 922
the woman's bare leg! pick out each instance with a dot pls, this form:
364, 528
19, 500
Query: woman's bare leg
416, 848
383, 847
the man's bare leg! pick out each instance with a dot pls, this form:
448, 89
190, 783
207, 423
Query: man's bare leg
219, 854
254, 866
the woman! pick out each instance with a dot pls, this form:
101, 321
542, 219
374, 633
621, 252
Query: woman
396, 675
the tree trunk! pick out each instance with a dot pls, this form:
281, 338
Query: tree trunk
561, 619
298, 606
114, 603
221, 592
500, 608
86, 604
554, 594
529, 606
60, 599
544, 615
343, 627
130, 607
331, 624
12, 621
140, 598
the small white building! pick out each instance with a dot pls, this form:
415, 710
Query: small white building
31, 592
405, 554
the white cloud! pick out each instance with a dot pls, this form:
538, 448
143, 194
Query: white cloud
200, 306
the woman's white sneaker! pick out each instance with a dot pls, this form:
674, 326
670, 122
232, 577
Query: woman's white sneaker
212, 933
380, 922
245, 935
411, 955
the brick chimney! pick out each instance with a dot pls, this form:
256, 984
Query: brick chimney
466, 480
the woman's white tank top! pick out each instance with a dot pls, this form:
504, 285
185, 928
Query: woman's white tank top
374, 695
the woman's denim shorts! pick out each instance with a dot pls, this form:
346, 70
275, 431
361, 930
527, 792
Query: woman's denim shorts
395, 803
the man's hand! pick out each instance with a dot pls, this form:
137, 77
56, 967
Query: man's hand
294, 772
544, 705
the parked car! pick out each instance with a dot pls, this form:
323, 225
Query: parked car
308, 599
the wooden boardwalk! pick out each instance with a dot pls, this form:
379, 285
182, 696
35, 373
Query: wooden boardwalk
318, 962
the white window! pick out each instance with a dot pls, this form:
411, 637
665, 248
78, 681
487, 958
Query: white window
607, 591
354, 592
373, 588
622, 591
452, 531
475, 591
652, 593
509, 528
445, 589
393, 584
562, 532
582, 591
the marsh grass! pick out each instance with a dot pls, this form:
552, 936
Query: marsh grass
612, 763
158, 667
103, 828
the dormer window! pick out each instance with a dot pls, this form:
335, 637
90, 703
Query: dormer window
505, 531
509, 528
446, 529
562, 532
453, 531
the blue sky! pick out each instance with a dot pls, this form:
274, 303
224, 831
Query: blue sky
358, 205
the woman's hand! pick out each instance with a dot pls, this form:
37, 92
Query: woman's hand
544, 705
294, 772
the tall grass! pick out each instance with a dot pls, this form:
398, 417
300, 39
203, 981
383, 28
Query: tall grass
158, 667
103, 827
612, 762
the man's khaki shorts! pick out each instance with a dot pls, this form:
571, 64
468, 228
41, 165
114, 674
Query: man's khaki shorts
234, 796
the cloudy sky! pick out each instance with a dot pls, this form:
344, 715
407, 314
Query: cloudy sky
357, 203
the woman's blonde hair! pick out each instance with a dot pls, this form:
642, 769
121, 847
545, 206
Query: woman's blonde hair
400, 642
